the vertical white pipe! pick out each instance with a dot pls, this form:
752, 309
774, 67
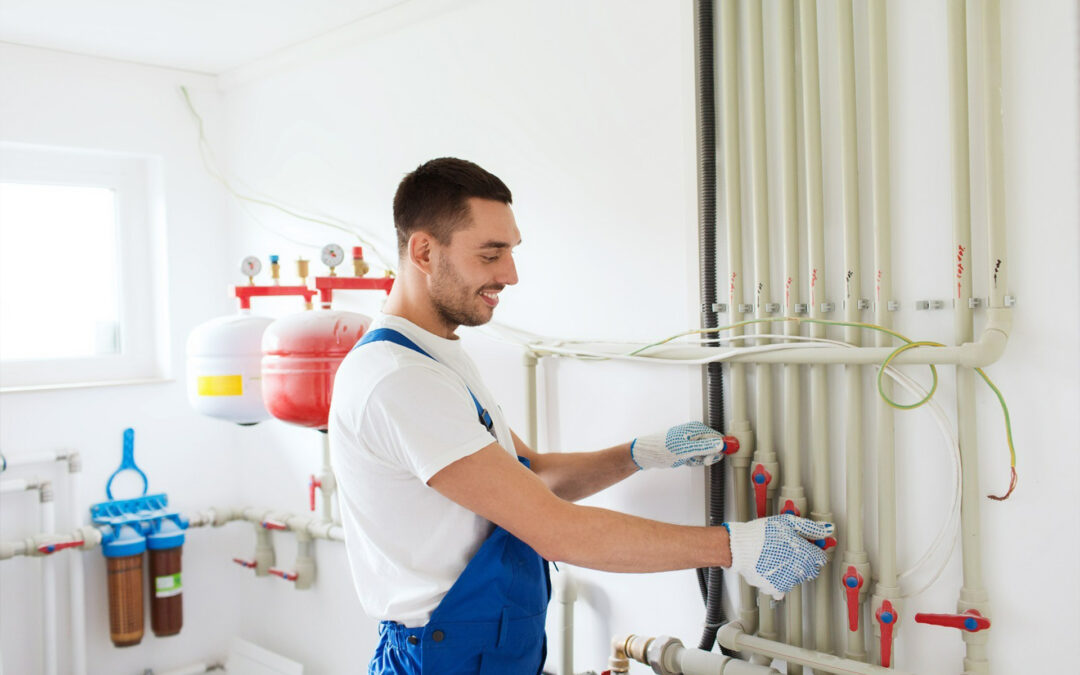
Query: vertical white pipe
887, 586
48, 584
809, 107
792, 494
854, 547
529, 360
75, 570
973, 593
732, 190
328, 481
753, 97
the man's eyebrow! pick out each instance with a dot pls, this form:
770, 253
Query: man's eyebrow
494, 243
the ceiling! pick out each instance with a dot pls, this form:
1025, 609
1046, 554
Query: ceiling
207, 36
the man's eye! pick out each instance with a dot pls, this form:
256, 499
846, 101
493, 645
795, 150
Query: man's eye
489, 258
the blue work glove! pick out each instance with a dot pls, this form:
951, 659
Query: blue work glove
774, 553
690, 444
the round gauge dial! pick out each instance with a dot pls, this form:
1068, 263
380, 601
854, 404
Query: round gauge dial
250, 266
332, 255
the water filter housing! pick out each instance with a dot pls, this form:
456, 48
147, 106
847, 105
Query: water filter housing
301, 355
223, 368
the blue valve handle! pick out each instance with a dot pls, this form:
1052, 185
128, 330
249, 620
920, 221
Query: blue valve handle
127, 463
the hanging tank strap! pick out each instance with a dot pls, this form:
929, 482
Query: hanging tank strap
391, 335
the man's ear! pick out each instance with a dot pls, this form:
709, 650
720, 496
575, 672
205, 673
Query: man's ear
420, 251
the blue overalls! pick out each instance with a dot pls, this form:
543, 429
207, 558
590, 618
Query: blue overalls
491, 621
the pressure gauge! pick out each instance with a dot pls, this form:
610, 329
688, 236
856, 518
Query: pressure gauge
250, 266
333, 255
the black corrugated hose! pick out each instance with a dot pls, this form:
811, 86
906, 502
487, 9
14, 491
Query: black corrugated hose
711, 580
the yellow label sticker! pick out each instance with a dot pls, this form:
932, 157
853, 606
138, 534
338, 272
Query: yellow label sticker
221, 385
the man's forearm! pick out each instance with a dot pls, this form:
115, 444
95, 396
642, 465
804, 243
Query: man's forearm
576, 475
615, 542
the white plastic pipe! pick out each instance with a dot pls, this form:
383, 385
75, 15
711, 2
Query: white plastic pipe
753, 98
532, 423
327, 482
854, 555
730, 173
75, 570
48, 585
782, 41
565, 591
809, 108
732, 636
887, 587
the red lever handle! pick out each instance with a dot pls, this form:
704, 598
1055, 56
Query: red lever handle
826, 543
287, 576
731, 445
48, 549
789, 507
312, 484
971, 620
887, 617
761, 479
853, 582
274, 525
250, 564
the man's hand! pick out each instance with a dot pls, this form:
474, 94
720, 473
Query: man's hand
690, 444
773, 553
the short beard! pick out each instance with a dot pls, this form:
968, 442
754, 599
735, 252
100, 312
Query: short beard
454, 303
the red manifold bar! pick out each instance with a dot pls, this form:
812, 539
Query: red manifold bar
327, 285
246, 293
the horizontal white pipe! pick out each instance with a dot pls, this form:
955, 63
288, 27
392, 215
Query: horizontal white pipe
193, 669
313, 527
30, 458
17, 485
88, 534
983, 352
731, 636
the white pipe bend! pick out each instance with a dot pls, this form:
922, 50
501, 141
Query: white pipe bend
731, 636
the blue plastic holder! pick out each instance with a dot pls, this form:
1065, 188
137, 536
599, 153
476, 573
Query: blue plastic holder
129, 526
127, 463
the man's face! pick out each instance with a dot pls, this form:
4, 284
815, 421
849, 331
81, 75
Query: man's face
478, 262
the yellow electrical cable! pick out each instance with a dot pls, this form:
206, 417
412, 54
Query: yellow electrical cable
908, 344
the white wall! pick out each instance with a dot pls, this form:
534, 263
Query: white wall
65, 100
586, 111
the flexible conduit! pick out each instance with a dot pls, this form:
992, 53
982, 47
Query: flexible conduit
711, 581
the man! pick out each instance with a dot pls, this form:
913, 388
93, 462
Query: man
449, 517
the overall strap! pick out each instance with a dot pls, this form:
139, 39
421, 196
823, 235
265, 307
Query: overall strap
391, 335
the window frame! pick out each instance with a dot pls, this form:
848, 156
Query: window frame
135, 182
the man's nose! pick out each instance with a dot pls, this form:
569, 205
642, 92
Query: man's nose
508, 272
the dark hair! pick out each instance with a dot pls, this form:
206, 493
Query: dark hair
434, 198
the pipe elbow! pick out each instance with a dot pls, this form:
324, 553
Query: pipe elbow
991, 343
729, 634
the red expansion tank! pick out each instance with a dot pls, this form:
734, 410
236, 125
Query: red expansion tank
301, 354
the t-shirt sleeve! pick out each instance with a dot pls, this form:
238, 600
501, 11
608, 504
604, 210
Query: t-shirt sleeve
423, 420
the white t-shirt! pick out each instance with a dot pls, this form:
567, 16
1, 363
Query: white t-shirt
397, 418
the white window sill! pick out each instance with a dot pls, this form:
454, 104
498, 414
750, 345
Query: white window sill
85, 385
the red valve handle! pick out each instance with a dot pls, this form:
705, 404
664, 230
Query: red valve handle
887, 617
971, 621
761, 479
250, 564
287, 576
852, 582
312, 484
826, 543
789, 507
731, 445
48, 549
274, 525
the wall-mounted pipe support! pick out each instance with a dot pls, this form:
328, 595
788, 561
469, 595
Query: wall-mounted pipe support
732, 636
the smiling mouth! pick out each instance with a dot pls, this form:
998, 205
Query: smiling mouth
490, 297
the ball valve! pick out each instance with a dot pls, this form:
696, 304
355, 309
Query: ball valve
971, 621
887, 617
789, 507
761, 479
853, 583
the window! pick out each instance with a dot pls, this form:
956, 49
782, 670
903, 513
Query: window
78, 300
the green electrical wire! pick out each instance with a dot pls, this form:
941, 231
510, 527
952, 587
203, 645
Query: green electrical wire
908, 344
